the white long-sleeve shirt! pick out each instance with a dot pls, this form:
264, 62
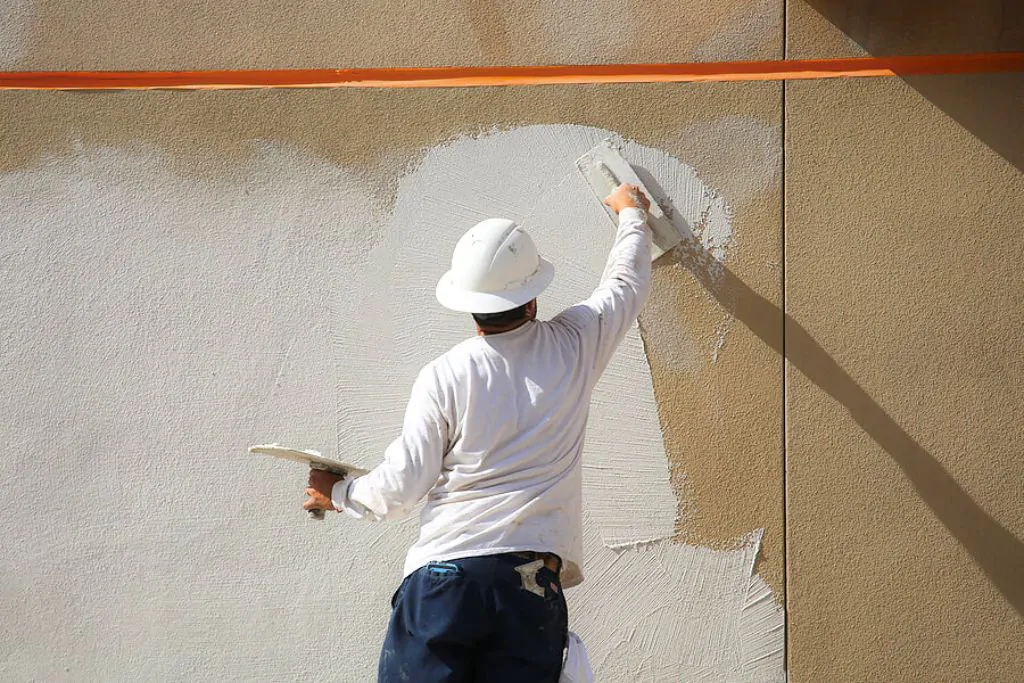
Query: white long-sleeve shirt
493, 433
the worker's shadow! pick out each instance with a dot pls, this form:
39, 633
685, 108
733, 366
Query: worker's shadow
997, 551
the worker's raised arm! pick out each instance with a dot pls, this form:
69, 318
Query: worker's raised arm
412, 463
613, 307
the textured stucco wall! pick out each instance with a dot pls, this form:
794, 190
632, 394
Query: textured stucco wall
171, 266
175, 262
905, 375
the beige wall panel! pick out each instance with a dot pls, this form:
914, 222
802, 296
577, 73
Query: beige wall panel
177, 270
905, 379
903, 255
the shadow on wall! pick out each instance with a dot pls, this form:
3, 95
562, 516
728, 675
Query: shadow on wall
982, 103
997, 551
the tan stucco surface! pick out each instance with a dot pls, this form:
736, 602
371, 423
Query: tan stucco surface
905, 533
151, 34
712, 343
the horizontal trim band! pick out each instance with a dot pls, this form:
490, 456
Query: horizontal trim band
482, 76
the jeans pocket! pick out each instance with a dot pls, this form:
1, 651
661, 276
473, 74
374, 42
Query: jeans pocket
440, 578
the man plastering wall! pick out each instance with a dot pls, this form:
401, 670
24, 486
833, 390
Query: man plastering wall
493, 437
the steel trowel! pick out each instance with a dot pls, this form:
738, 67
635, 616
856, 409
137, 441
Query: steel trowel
604, 169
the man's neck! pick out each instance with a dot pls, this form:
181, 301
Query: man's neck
483, 332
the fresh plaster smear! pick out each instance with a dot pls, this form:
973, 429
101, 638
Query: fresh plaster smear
156, 324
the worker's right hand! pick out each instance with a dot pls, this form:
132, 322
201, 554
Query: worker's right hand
625, 196
320, 488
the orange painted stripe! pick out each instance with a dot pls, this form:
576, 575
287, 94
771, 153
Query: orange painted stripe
475, 76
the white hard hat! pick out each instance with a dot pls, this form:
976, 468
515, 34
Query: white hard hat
495, 268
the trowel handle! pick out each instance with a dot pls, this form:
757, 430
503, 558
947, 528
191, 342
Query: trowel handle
609, 177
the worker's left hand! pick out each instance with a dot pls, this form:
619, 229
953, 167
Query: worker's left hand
321, 483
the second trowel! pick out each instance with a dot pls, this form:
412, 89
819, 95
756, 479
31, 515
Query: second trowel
604, 169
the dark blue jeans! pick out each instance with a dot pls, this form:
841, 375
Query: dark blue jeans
476, 619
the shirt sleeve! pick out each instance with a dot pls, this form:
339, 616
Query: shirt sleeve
613, 307
412, 463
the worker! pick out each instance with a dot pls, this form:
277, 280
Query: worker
493, 437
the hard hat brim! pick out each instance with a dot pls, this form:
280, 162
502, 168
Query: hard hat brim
465, 301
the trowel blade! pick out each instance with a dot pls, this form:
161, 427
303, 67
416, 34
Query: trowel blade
604, 169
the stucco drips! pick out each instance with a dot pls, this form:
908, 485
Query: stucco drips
159, 323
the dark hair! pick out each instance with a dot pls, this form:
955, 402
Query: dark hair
501, 319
